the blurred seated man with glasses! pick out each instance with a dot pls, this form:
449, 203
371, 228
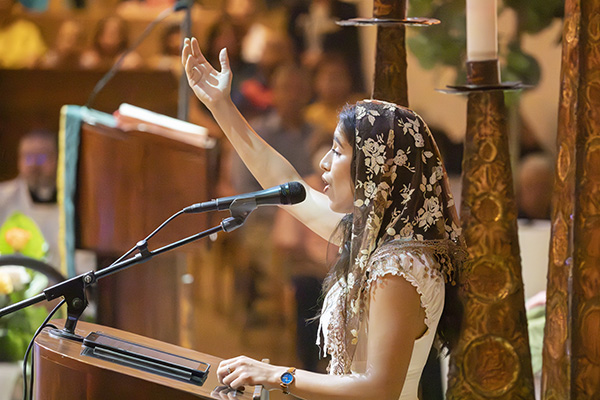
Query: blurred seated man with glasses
33, 192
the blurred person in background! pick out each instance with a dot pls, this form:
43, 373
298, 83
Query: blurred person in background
242, 13
110, 41
33, 191
68, 47
301, 253
225, 33
333, 88
284, 128
256, 96
313, 29
21, 41
171, 42
534, 186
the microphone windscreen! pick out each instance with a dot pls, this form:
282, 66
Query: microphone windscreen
293, 192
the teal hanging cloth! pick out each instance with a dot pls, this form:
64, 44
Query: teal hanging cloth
35, 5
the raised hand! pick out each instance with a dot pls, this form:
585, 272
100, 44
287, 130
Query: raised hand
208, 84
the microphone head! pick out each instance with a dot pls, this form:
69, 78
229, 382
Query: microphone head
292, 193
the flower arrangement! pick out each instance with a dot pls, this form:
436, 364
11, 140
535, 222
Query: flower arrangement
17, 329
19, 234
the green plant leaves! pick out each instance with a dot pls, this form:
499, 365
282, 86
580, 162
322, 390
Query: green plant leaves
521, 66
445, 44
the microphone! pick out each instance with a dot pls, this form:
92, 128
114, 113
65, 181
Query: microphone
288, 193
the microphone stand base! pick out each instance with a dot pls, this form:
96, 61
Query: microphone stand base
65, 334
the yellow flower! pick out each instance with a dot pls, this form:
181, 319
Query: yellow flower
6, 285
17, 238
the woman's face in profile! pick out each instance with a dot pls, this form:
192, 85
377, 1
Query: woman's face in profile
337, 177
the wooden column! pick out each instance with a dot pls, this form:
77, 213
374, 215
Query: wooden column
492, 359
390, 82
571, 355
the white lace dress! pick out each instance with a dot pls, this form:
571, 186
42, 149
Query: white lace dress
420, 269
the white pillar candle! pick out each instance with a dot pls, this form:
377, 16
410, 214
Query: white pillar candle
482, 30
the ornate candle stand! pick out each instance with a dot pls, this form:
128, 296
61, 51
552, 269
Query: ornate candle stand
492, 358
571, 355
390, 57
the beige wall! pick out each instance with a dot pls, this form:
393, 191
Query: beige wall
539, 105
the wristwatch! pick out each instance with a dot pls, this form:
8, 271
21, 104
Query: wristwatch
286, 379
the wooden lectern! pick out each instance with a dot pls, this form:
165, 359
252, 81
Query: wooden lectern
128, 182
32, 99
62, 372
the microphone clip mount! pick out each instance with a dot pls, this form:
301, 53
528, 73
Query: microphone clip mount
239, 210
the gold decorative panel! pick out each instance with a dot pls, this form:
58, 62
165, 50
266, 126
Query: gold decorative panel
571, 355
492, 359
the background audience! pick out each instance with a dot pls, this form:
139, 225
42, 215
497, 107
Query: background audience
534, 186
169, 56
313, 29
21, 41
283, 127
68, 47
110, 40
301, 254
333, 87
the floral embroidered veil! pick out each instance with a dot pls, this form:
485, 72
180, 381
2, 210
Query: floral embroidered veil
401, 194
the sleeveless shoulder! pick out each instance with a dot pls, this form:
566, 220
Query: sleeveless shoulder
413, 261
415, 264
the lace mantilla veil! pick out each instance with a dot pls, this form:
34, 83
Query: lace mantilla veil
401, 195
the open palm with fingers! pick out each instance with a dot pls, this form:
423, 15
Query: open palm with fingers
208, 84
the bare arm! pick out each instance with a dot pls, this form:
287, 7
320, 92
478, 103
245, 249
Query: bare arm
266, 164
396, 319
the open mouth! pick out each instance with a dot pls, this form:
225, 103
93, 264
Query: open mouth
326, 184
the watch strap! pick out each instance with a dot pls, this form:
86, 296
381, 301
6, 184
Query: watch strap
285, 386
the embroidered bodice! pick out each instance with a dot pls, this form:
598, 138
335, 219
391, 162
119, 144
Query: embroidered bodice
419, 267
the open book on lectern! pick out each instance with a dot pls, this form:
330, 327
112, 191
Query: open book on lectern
129, 117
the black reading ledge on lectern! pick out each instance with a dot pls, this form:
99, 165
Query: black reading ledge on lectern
65, 371
123, 352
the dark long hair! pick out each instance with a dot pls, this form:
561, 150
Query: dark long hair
341, 264
449, 326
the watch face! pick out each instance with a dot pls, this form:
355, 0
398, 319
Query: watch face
287, 378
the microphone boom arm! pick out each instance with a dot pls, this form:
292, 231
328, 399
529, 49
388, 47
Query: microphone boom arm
73, 289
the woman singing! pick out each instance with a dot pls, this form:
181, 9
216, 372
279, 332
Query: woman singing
387, 206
